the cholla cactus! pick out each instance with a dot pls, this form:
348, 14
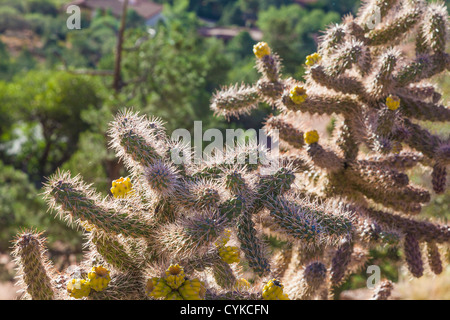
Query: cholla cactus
35, 272
363, 75
163, 233
197, 217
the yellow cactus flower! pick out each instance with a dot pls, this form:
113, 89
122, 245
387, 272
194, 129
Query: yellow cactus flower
121, 187
193, 290
261, 49
174, 295
175, 276
312, 59
273, 290
157, 288
242, 284
99, 278
223, 240
229, 254
78, 288
298, 95
311, 137
393, 102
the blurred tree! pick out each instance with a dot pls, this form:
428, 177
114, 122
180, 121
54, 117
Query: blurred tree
250, 9
47, 107
92, 43
25, 61
21, 207
5, 62
342, 6
172, 73
241, 46
11, 19
232, 15
292, 30
240, 49
44, 7
92, 158
134, 20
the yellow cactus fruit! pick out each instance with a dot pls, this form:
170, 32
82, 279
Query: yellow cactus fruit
229, 254
223, 240
78, 288
99, 278
273, 290
193, 290
157, 288
174, 295
312, 59
311, 137
175, 276
298, 95
121, 187
261, 49
242, 284
393, 102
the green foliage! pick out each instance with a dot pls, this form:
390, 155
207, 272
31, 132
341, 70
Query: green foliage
134, 20
241, 46
5, 62
389, 261
44, 7
91, 157
11, 19
93, 43
22, 207
47, 107
292, 30
237, 12
172, 73
342, 7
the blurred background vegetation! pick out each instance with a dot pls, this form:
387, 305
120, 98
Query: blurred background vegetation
58, 91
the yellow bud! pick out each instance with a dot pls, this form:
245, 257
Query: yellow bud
261, 49
175, 276
229, 254
193, 290
393, 102
298, 95
313, 59
311, 137
273, 290
157, 288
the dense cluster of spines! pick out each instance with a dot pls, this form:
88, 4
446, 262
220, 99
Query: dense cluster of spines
163, 232
34, 269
